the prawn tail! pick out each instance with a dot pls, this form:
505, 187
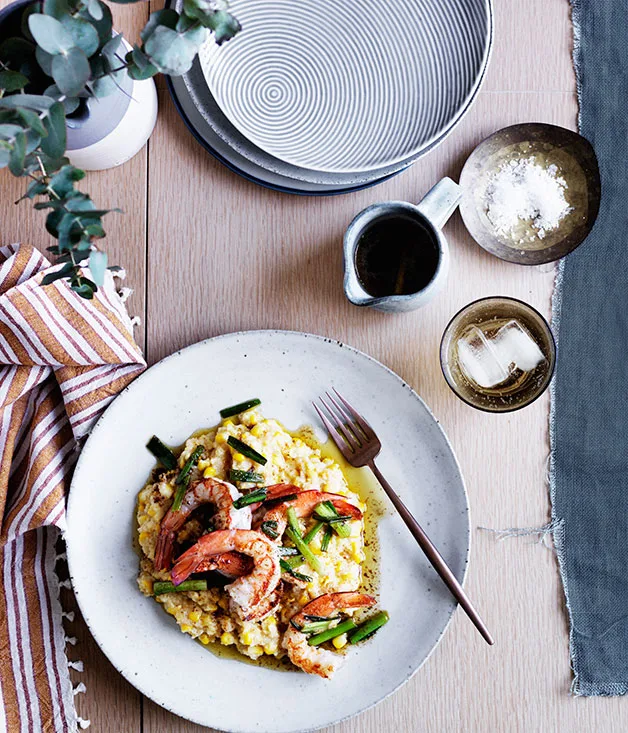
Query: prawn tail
163, 550
188, 563
344, 507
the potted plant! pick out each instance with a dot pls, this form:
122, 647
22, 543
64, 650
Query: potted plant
59, 57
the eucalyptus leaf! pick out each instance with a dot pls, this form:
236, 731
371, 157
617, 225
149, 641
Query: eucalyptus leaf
58, 9
63, 182
85, 289
103, 25
70, 104
83, 33
50, 34
36, 188
141, 67
95, 230
32, 119
185, 23
52, 222
18, 153
51, 164
44, 59
5, 153
71, 71
98, 266
167, 17
29, 101
105, 85
24, 27
110, 50
69, 231
8, 131
12, 81
171, 52
95, 9
80, 202
224, 25
64, 271
53, 144
33, 140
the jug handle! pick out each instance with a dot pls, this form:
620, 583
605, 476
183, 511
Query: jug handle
440, 202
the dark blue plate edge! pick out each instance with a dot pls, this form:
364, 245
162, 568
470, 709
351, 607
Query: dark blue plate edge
282, 189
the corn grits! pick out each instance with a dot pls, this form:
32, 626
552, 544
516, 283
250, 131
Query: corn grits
205, 615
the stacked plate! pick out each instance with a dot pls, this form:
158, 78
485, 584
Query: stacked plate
329, 96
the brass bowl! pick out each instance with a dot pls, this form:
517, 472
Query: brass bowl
577, 164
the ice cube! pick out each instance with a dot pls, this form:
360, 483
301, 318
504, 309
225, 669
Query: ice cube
479, 361
514, 346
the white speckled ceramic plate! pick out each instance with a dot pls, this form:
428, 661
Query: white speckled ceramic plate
184, 392
348, 86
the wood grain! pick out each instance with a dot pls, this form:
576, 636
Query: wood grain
111, 703
225, 255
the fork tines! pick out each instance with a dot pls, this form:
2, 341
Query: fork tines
344, 421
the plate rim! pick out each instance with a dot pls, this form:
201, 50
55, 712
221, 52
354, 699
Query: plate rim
471, 94
333, 191
281, 332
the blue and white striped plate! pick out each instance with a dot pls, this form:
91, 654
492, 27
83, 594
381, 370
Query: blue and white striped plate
349, 85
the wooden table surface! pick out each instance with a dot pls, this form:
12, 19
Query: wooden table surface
207, 253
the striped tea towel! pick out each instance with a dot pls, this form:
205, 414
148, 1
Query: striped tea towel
62, 360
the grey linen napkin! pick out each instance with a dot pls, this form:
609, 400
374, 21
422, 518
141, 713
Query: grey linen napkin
589, 482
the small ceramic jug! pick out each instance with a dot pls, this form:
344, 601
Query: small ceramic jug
432, 212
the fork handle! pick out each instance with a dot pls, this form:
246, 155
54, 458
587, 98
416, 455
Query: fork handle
433, 555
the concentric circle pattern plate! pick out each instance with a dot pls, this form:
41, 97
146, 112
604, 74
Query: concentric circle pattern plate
352, 85
179, 395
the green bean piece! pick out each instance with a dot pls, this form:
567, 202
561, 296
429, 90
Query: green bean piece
250, 477
252, 498
287, 568
189, 464
162, 453
240, 407
312, 532
369, 627
324, 636
180, 493
165, 586
326, 538
270, 529
246, 450
308, 555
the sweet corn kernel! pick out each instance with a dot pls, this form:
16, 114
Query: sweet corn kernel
204, 639
143, 536
246, 637
227, 638
171, 611
221, 438
269, 649
256, 651
252, 419
195, 616
209, 472
238, 457
270, 621
257, 431
202, 464
206, 618
166, 490
340, 641
227, 421
185, 628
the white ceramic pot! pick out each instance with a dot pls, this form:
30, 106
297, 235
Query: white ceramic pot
108, 131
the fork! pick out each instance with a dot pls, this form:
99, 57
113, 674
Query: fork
359, 445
